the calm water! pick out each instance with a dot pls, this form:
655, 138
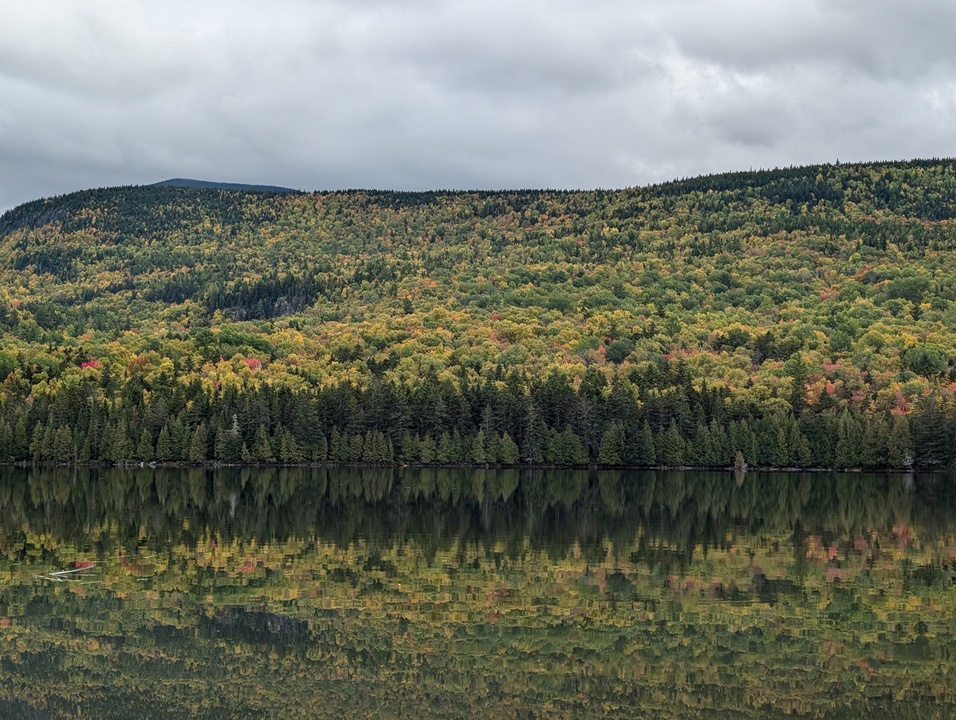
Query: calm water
467, 594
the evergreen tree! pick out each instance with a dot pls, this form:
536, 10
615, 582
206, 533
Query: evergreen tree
643, 451
849, 441
261, 450
120, 446
799, 447
411, 448
507, 450
479, 450
198, 444
164, 448
670, 446
876, 434
338, 448
289, 451
63, 448
899, 449
444, 453
320, 450
7, 450
535, 444
612, 444
144, 448
427, 450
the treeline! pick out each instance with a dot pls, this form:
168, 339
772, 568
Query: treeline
504, 418
798, 317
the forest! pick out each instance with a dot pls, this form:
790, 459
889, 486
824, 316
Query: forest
789, 318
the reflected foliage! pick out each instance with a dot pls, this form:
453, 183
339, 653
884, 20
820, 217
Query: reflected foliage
311, 592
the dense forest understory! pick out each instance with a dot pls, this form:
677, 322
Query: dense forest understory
803, 317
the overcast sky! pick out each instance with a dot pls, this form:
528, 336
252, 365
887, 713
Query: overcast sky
419, 94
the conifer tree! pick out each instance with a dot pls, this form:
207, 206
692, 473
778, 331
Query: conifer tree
261, 450
164, 449
507, 450
198, 444
612, 445
144, 448
899, 449
479, 450
63, 448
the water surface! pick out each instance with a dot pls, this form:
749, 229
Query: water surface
311, 593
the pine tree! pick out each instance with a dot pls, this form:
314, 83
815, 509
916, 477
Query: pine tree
720, 453
444, 454
612, 444
144, 448
670, 446
6, 441
164, 448
288, 447
21, 439
535, 444
849, 440
411, 448
320, 449
63, 448
640, 448
427, 450
876, 433
120, 446
799, 446
198, 444
479, 450
899, 448
261, 450
507, 450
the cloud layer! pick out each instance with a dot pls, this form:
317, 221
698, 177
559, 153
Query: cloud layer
419, 94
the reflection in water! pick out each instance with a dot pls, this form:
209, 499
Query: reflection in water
389, 593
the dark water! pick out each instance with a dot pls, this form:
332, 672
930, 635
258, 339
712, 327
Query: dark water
313, 593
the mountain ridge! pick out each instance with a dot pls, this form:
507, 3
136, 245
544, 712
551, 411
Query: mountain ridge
213, 185
697, 319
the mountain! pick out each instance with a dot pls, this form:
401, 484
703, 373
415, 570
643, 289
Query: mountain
801, 316
207, 185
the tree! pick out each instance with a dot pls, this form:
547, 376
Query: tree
198, 444
670, 446
144, 448
479, 451
507, 450
899, 449
164, 450
612, 444
289, 451
261, 450
64, 449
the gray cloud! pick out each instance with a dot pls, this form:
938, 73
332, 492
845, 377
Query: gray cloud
463, 94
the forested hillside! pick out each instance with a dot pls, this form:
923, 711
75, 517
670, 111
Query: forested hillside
799, 317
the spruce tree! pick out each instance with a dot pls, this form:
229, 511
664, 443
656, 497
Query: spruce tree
144, 448
899, 448
611, 449
479, 450
508, 450
198, 444
164, 449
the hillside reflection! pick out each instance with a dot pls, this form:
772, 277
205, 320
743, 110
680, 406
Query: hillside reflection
550, 510
315, 592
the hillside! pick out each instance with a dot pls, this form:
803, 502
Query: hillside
210, 185
804, 317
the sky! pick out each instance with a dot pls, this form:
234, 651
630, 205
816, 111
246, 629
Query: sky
463, 94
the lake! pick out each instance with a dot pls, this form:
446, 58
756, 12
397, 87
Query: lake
427, 593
